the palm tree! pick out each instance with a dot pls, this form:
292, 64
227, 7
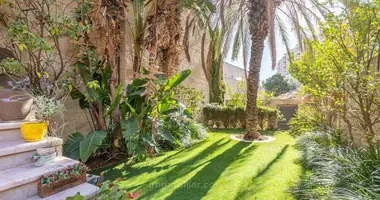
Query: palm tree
218, 28
164, 30
264, 17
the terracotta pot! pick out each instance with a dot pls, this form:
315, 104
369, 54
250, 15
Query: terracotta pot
14, 110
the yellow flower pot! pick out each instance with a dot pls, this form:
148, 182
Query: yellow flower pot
34, 131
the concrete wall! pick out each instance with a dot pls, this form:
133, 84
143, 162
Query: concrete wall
275, 103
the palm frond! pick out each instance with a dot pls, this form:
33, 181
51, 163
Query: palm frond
237, 43
283, 33
271, 31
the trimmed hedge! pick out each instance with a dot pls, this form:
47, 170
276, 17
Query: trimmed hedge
233, 117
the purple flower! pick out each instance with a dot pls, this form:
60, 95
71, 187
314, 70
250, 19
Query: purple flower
10, 83
6, 100
26, 80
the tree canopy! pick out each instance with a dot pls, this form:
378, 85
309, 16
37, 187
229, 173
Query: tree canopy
277, 84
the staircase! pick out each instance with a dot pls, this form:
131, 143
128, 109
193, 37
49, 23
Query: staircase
18, 175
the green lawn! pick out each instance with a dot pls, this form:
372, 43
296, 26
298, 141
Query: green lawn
216, 168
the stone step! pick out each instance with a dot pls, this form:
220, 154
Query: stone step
85, 189
18, 152
10, 130
21, 182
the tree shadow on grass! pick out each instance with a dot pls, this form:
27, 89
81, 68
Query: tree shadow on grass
172, 171
127, 170
274, 161
202, 181
262, 171
178, 170
242, 131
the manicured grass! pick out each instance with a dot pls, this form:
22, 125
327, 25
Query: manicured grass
216, 168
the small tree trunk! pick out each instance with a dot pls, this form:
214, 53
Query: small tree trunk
272, 119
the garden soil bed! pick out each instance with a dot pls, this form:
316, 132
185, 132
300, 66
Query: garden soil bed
103, 161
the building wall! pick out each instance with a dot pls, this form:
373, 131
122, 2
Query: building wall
283, 63
231, 77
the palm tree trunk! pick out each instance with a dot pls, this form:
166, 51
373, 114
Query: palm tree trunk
164, 33
259, 31
217, 91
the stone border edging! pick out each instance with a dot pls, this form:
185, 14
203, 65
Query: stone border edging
269, 139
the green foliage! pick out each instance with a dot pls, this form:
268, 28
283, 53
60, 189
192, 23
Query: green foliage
342, 71
12, 66
263, 97
130, 133
230, 116
239, 97
46, 108
81, 148
308, 119
176, 80
76, 197
277, 84
146, 109
108, 191
39, 50
179, 132
191, 97
336, 171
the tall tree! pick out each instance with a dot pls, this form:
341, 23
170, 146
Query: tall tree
277, 84
264, 16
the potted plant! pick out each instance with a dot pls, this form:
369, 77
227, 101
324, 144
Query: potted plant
14, 103
44, 93
45, 108
61, 180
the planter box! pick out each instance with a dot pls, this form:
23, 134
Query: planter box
59, 186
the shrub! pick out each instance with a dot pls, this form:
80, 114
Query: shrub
307, 119
231, 116
336, 171
179, 131
191, 97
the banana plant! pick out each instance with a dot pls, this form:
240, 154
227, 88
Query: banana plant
148, 102
80, 147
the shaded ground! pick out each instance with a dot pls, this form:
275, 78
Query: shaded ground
216, 168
